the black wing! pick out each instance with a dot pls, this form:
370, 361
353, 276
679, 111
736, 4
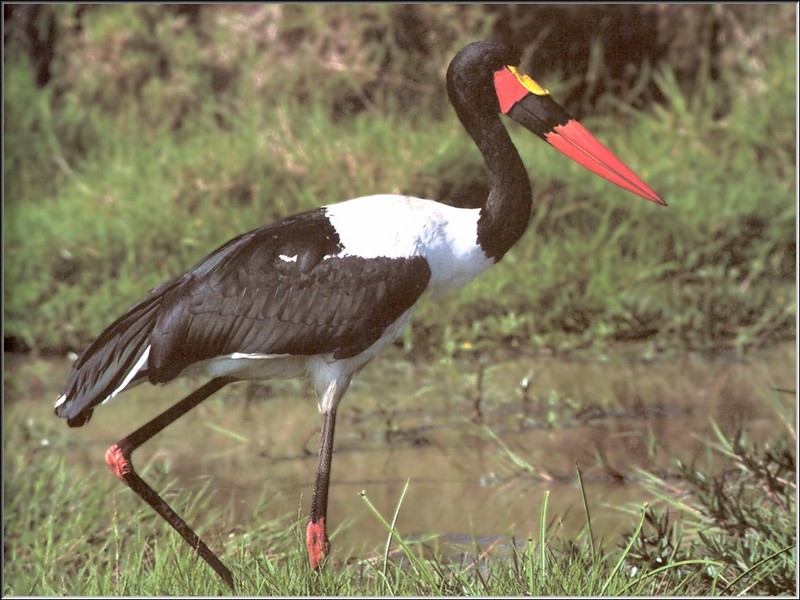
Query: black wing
282, 289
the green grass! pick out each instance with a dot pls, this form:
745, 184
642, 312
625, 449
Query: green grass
161, 136
710, 531
110, 189
733, 516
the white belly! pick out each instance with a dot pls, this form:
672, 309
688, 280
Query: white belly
324, 371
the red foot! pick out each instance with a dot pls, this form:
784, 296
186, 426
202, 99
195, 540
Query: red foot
317, 542
118, 461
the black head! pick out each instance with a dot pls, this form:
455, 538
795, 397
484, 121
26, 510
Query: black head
470, 78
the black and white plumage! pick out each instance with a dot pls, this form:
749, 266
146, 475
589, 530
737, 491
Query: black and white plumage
321, 293
331, 284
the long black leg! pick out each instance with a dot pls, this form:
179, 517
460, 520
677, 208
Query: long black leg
118, 458
316, 536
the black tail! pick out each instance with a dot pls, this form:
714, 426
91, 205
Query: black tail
104, 366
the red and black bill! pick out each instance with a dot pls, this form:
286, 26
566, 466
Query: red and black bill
531, 105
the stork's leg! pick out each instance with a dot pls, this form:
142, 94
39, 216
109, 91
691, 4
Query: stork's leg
316, 535
118, 458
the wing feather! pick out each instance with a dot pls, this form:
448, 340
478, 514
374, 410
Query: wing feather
286, 288
256, 299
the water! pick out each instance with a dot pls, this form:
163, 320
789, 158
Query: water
402, 422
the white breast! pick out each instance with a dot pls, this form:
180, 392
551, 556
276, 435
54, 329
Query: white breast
393, 226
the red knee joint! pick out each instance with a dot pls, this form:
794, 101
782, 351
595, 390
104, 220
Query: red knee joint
317, 542
118, 461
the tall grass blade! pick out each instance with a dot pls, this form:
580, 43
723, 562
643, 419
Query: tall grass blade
393, 527
543, 530
626, 551
586, 510
415, 561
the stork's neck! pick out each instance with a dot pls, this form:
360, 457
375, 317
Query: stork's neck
504, 217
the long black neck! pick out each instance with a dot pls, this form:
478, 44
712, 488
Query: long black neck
504, 217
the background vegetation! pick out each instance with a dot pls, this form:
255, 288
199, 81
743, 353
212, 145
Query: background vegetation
139, 138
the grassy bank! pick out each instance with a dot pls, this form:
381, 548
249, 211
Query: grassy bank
128, 168
712, 531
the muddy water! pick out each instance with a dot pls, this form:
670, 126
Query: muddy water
429, 425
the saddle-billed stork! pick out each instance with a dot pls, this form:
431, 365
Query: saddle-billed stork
322, 292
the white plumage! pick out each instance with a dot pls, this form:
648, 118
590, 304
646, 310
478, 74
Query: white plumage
399, 227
